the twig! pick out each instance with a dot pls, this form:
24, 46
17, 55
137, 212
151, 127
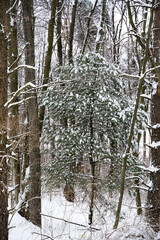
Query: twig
43, 235
18, 58
78, 224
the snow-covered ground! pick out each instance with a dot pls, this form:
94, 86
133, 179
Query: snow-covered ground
65, 214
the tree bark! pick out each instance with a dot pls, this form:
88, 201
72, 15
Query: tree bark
14, 118
59, 33
3, 122
88, 26
34, 133
48, 56
101, 32
71, 34
154, 192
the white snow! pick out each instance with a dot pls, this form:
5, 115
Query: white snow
11, 100
149, 97
64, 214
155, 126
154, 144
150, 168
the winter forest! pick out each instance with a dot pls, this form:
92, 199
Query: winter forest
79, 119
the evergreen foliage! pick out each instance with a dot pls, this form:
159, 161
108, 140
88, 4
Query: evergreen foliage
87, 116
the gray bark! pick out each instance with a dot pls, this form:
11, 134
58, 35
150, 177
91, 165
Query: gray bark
34, 131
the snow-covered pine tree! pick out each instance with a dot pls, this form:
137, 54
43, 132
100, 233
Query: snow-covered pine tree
90, 98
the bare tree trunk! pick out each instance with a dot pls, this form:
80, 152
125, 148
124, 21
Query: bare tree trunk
154, 192
141, 80
101, 32
59, 33
3, 123
34, 133
14, 118
88, 27
48, 56
71, 34
92, 160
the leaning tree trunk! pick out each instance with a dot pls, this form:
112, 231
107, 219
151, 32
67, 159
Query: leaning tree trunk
48, 57
34, 133
154, 192
3, 123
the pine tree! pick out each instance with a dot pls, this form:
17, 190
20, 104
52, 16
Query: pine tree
89, 96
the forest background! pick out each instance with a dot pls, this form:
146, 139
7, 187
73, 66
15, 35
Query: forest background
80, 109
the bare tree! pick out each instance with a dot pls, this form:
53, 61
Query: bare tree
71, 34
14, 116
154, 191
3, 123
34, 131
48, 57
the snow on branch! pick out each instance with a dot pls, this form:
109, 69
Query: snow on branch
150, 169
139, 76
153, 145
18, 58
154, 126
11, 100
146, 96
19, 102
21, 66
129, 76
10, 9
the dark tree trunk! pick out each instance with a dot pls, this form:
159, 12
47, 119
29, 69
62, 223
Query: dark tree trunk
59, 33
92, 160
154, 192
71, 34
34, 133
48, 58
3, 123
88, 27
14, 118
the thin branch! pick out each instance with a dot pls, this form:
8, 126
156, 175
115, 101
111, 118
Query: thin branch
11, 100
20, 102
43, 235
10, 67
66, 221
21, 66
14, 4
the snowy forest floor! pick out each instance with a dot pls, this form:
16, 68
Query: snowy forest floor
131, 227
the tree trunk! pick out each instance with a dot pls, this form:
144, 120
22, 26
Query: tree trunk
14, 118
88, 27
71, 34
92, 160
101, 32
34, 133
3, 123
154, 192
48, 58
59, 33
